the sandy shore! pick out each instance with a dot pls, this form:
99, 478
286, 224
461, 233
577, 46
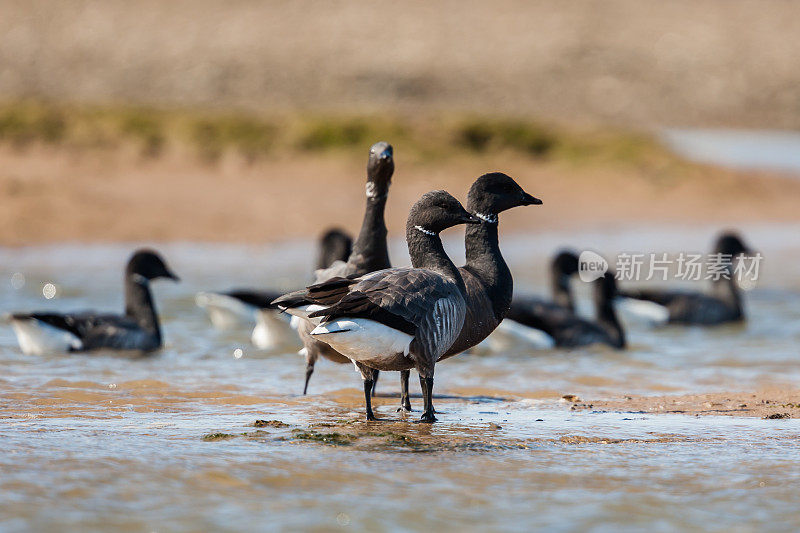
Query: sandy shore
52, 194
767, 403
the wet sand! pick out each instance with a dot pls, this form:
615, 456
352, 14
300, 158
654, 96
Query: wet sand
774, 404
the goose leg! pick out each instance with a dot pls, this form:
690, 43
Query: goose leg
368, 383
427, 393
405, 402
375, 375
309, 371
311, 359
368, 375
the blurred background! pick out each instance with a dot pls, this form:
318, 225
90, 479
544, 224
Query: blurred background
206, 120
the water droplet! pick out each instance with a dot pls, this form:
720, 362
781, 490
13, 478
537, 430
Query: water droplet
343, 519
238, 353
49, 291
112, 385
17, 280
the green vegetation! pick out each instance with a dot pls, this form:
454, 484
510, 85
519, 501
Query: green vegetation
334, 439
210, 135
211, 437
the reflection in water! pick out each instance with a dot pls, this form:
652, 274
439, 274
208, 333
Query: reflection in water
167, 442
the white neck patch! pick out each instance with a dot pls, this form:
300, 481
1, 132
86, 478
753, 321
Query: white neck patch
138, 278
371, 190
491, 219
425, 231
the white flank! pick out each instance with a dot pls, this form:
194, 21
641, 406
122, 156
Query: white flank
361, 339
509, 333
303, 312
226, 312
643, 310
273, 331
38, 338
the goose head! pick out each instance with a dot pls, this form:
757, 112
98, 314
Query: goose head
149, 265
380, 168
334, 245
437, 211
494, 193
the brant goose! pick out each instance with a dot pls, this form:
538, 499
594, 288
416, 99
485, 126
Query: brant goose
723, 305
488, 280
370, 251
138, 329
397, 318
233, 308
569, 330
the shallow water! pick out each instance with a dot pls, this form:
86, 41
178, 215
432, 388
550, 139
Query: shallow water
748, 149
167, 443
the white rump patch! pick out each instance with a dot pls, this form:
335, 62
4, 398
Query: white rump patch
361, 339
643, 311
226, 312
39, 338
273, 330
304, 310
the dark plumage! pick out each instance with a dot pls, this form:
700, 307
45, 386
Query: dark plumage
722, 305
569, 330
397, 318
137, 329
370, 251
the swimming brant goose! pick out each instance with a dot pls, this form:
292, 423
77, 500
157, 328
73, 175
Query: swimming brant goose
138, 329
397, 318
370, 251
567, 329
722, 305
236, 307
272, 330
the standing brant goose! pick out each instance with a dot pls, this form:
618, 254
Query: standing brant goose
723, 305
487, 278
397, 318
567, 329
370, 251
227, 310
138, 329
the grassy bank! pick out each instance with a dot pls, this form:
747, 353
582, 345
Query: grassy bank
210, 135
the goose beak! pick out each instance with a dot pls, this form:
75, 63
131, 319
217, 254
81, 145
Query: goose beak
467, 218
527, 199
171, 275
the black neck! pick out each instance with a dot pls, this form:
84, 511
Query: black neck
726, 289
427, 251
607, 318
562, 294
370, 251
486, 262
139, 304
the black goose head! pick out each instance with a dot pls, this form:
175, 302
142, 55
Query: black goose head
437, 211
334, 245
380, 168
731, 243
565, 263
494, 193
148, 265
